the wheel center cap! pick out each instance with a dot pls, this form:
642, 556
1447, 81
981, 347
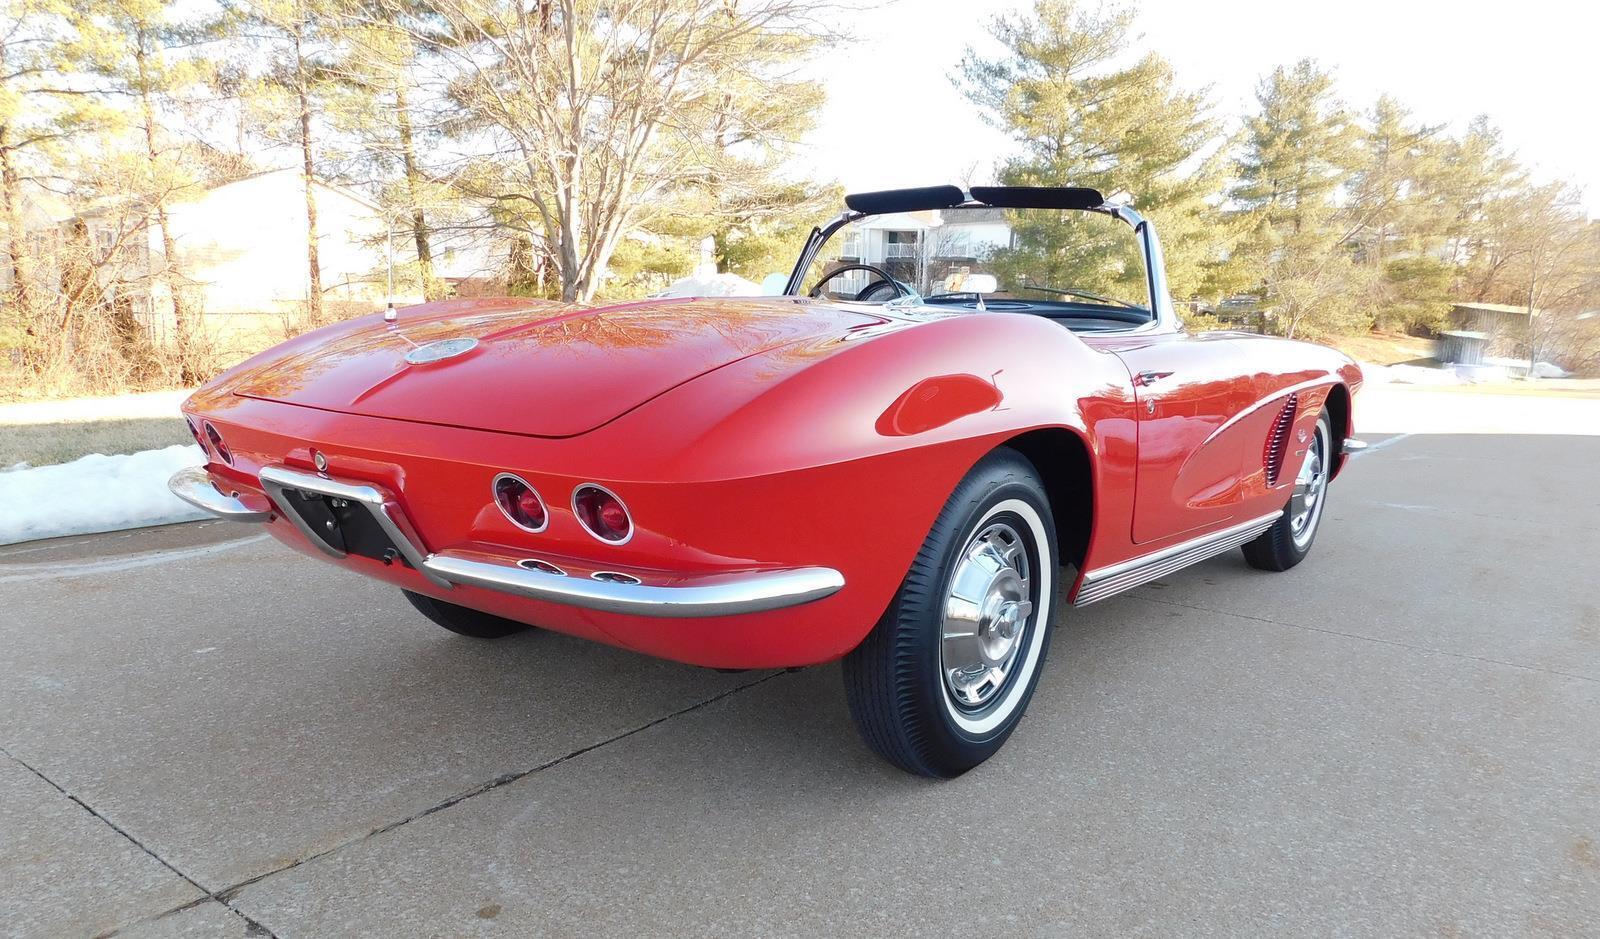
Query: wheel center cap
1005, 625
1003, 616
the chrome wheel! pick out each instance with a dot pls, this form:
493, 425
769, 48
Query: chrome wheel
942, 680
1305, 505
988, 608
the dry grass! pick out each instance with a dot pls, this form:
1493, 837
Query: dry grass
1384, 348
61, 442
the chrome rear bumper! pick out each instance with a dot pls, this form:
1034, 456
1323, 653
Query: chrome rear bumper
194, 486
706, 595
637, 592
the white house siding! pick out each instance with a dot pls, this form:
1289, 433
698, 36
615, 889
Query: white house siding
975, 239
954, 238
243, 245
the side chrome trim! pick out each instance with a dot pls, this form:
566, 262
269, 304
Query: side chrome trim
1109, 581
277, 480
708, 595
1262, 403
194, 486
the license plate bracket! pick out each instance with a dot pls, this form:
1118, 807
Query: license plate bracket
345, 526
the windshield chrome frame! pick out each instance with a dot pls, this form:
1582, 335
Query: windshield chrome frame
1163, 317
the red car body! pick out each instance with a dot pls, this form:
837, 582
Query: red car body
759, 437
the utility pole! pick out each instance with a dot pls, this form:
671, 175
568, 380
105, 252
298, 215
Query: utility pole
1533, 275
1532, 352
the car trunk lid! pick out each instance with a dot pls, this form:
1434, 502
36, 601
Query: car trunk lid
544, 370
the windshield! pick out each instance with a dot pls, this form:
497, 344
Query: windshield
1083, 267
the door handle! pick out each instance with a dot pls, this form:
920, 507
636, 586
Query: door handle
1146, 379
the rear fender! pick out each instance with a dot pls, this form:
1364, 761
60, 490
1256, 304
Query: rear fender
893, 422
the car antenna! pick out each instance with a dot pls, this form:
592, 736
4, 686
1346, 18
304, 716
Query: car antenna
390, 315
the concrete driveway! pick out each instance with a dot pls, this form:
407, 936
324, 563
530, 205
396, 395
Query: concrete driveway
205, 734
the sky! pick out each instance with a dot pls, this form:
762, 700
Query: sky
893, 118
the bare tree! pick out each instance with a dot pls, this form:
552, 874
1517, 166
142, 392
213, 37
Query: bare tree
289, 33
131, 45
393, 125
588, 118
936, 246
39, 109
1538, 251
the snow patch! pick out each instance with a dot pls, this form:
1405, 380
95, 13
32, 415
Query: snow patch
124, 406
1408, 375
95, 493
1492, 370
712, 285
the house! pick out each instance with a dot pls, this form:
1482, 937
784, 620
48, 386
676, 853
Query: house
42, 213
925, 249
1498, 335
240, 247
1501, 328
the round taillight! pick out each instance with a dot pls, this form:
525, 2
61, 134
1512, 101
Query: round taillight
194, 432
602, 514
520, 503
217, 446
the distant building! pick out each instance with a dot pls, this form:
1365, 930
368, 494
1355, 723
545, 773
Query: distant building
925, 248
241, 249
1500, 328
1461, 347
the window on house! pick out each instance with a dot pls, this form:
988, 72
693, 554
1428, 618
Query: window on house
901, 244
104, 240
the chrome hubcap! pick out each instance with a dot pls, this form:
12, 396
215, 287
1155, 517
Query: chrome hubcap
1305, 505
986, 613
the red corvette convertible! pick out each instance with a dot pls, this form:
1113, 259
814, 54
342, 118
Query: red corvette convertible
964, 410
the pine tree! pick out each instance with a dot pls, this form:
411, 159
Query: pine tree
1389, 200
44, 115
766, 237
1298, 152
1480, 185
1078, 120
1397, 220
33, 35
287, 95
128, 46
374, 100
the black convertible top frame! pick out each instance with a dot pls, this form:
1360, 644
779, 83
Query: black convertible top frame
926, 198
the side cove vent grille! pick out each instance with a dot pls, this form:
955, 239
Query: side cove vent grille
1278, 439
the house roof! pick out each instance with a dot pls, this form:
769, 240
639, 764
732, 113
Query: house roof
41, 205
933, 218
1495, 308
60, 212
321, 183
974, 215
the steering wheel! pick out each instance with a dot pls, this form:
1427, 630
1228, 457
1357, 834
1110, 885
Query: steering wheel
883, 280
